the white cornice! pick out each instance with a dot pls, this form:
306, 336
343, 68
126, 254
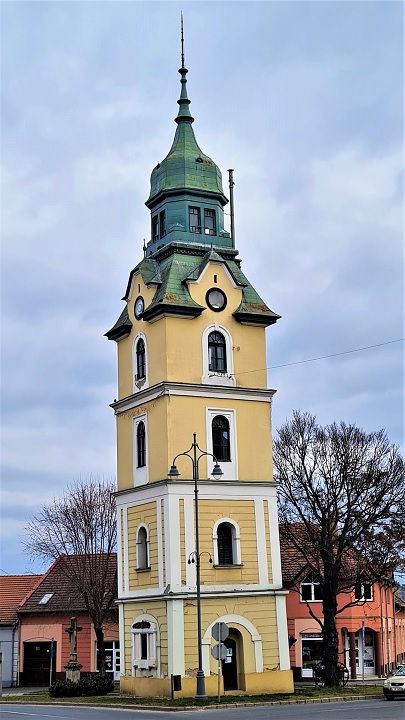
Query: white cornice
207, 490
222, 592
216, 392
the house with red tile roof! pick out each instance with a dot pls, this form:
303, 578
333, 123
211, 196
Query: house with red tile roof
371, 632
13, 590
45, 616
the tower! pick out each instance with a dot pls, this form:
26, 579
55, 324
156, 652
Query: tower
192, 359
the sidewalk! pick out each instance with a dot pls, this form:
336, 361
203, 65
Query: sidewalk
10, 691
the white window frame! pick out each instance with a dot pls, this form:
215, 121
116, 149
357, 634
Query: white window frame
209, 377
138, 566
229, 469
151, 661
363, 598
236, 552
140, 473
310, 584
138, 385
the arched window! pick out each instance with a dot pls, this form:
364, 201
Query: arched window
142, 554
141, 445
225, 544
221, 446
216, 352
140, 359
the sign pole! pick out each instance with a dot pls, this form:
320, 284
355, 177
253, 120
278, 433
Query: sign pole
220, 632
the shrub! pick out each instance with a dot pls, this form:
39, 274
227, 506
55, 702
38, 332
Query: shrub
94, 684
63, 688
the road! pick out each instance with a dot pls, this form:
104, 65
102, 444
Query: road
354, 710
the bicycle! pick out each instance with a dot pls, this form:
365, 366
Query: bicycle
341, 672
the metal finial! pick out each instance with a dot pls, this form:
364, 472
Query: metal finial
182, 42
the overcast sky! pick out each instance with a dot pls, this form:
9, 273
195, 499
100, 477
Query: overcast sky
303, 99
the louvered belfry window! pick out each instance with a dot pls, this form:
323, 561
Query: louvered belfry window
225, 544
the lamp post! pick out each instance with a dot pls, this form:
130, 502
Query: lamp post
195, 458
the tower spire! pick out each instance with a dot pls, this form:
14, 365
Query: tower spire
183, 101
182, 42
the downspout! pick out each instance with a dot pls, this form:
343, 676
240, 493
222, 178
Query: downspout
383, 669
15, 626
389, 637
394, 620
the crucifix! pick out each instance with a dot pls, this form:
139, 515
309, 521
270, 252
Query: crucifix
73, 629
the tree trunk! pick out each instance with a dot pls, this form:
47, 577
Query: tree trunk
330, 635
101, 650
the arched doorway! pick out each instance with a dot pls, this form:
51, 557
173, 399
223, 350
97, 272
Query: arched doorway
230, 665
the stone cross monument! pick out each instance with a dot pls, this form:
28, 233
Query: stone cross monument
73, 667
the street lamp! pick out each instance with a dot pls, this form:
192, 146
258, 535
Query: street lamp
195, 458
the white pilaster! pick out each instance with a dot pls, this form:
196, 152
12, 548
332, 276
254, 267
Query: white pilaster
277, 579
121, 626
189, 538
175, 637
282, 632
125, 548
261, 542
172, 542
160, 531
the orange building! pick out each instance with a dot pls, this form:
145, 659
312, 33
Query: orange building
13, 590
45, 616
371, 632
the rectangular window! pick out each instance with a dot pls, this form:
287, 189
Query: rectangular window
162, 219
155, 228
195, 219
144, 646
363, 591
311, 590
209, 222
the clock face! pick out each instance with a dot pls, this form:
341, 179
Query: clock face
216, 299
139, 307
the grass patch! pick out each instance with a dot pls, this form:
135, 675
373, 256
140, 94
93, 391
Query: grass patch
302, 692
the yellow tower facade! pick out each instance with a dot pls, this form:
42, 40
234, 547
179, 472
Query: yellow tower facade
198, 544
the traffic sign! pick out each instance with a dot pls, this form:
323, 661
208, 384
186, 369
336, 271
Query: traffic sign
219, 652
220, 631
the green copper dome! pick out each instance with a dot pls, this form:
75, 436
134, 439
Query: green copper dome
185, 167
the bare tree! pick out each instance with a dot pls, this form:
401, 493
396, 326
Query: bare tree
81, 527
341, 507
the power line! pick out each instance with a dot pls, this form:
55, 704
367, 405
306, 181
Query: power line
325, 357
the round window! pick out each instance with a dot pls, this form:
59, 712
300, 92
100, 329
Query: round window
139, 307
216, 299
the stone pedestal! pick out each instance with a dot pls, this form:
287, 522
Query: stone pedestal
73, 671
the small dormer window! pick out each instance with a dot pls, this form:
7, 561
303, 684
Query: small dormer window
209, 222
195, 219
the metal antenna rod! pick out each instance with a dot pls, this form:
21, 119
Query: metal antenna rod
182, 42
231, 186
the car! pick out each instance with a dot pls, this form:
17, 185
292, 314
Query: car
394, 684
